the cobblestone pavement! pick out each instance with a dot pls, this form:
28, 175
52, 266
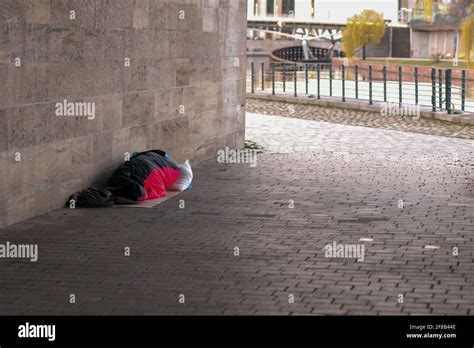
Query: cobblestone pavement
360, 118
316, 183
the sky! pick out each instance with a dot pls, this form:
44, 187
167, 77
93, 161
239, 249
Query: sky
340, 10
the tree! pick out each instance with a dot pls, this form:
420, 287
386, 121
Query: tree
460, 9
428, 10
363, 29
424, 10
467, 38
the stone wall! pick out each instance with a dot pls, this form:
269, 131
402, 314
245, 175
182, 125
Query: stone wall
160, 74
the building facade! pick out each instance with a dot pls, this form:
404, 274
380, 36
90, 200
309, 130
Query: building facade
332, 11
434, 26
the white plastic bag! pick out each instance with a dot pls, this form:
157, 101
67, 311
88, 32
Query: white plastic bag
185, 177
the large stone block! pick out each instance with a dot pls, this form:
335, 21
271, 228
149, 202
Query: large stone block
47, 198
3, 77
203, 126
3, 174
149, 74
82, 154
66, 80
3, 130
109, 109
28, 84
175, 102
113, 43
163, 15
184, 71
41, 165
209, 97
21, 206
138, 138
210, 19
72, 45
141, 14
232, 120
189, 17
233, 67
13, 12
102, 151
3, 212
138, 109
29, 125
161, 43
114, 13
174, 132
62, 153
120, 145
14, 170
38, 11
33, 45
144, 75
69, 13
137, 44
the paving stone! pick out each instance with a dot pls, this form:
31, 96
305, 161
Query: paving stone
346, 183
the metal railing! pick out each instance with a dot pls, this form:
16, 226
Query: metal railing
439, 89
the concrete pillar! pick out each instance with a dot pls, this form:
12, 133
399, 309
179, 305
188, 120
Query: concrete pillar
250, 8
278, 7
262, 8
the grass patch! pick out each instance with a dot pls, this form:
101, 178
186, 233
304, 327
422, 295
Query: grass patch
420, 62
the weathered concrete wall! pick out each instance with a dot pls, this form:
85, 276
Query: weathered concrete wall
395, 43
429, 44
183, 90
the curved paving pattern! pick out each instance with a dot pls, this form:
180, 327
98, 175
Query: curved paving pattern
346, 183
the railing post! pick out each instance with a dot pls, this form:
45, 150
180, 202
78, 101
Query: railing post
284, 78
295, 77
433, 88
306, 78
416, 86
330, 80
319, 81
356, 73
440, 88
448, 89
343, 83
384, 83
263, 76
252, 77
400, 85
370, 85
463, 91
273, 78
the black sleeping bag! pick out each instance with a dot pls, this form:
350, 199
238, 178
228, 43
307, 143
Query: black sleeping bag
146, 176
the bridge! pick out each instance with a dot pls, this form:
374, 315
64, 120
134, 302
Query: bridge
293, 26
305, 32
